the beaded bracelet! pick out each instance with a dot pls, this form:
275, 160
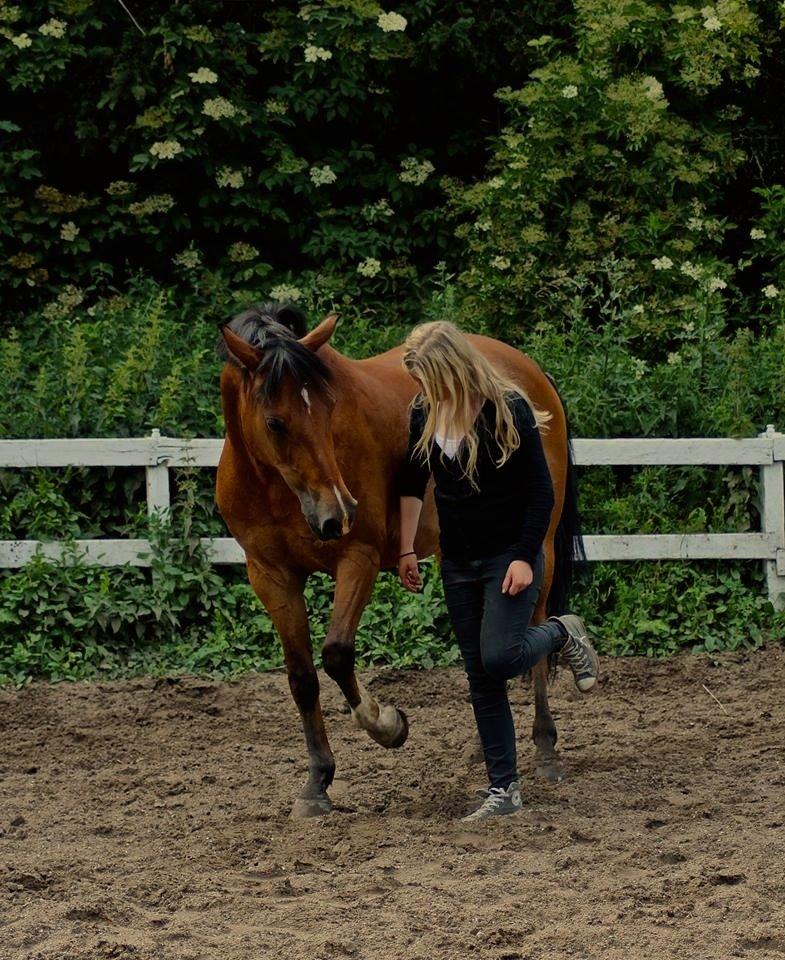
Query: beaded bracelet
406, 554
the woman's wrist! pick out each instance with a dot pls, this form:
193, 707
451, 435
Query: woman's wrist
406, 554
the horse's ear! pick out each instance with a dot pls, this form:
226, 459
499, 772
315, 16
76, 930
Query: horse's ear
320, 334
242, 351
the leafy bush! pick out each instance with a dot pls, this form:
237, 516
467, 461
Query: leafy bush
286, 143
616, 210
660, 608
625, 147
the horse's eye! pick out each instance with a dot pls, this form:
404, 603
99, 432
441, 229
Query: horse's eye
275, 425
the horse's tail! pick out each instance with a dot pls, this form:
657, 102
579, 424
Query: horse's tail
570, 564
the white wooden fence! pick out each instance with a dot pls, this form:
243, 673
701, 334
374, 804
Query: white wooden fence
158, 454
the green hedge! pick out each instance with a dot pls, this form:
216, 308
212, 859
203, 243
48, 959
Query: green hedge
602, 186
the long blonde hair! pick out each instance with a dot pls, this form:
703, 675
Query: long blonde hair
441, 357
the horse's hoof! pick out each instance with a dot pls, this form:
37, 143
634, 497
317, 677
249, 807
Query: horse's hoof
403, 733
394, 728
311, 807
550, 769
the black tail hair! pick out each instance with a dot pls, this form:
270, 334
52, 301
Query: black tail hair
571, 565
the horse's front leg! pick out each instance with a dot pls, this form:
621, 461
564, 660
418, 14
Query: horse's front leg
281, 592
354, 580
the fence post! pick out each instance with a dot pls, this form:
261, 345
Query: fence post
158, 499
772, 489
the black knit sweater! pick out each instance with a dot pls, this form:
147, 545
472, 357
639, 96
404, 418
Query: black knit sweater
514, 503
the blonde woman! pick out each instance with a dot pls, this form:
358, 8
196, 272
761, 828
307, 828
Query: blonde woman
478, 434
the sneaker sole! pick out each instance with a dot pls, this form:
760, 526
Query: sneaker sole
493, 816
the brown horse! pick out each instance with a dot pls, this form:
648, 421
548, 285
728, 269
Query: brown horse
307, 482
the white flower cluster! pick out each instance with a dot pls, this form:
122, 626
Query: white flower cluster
378, 210
53, 28
188, 259
391, 22
711, 21
240, 252
369, 267
286, 292
757, 234
69, 231
312, 54
690, 269
226, 177
276, 108
771, 291
415, 171
569, 92
674, 357
203, 75
640, 367
166, 149
199, 33
119, 188
501, 263
483, 224
652, 87
219, 108
21, 40
320, 176
157, 203
69, 297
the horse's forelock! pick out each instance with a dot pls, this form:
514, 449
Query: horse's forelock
275, 329
287, 357
259, 323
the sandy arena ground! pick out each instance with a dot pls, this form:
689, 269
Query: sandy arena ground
148, 820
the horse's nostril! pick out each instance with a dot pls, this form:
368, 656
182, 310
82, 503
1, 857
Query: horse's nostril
331, 529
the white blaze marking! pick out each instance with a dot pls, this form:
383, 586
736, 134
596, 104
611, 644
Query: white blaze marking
339, 498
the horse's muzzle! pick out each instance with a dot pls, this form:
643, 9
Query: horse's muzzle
333, 528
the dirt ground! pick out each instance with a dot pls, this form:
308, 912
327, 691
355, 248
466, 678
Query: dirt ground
148, 819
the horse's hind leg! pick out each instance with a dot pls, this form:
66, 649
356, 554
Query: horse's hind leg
547, 763
281, 592
354, 580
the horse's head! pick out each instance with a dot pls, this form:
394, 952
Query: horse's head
283, 408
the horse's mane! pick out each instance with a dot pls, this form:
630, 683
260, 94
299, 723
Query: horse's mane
275, 329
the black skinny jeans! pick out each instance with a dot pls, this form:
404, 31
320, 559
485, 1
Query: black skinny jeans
498, 643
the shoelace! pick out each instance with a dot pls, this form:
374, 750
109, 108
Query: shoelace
576, 656
496, 797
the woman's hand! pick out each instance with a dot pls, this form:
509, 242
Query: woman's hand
518, 577
409, 573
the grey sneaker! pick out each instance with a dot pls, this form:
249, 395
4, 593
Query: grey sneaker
498, 802
578, 653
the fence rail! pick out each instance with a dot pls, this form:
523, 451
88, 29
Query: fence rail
158, 454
